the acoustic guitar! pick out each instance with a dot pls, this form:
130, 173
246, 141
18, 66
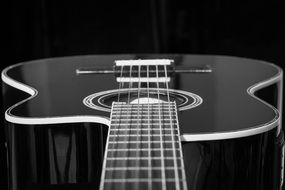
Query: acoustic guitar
156, 122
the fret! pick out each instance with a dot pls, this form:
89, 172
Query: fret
143, 162
141, 145
144, 147
135, 129
145, 184
150, 117
141, 142
118, 138
127, 111
157, 105
142, 111
140, 168
141, 115
139, 123
142, 158
146, 123
144, 105
142, 125
121, 174
145, 153
139, 119
130, 174
140, 149
140, 135
142, 180
134, 107
143, 131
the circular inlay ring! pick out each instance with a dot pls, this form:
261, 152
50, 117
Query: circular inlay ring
96, 100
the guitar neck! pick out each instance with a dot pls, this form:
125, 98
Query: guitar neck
143, 148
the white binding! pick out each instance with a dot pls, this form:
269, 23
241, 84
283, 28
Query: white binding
98, 119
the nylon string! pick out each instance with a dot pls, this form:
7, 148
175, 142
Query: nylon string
177, 185
149, 133
121, 85
138, 125
163, 181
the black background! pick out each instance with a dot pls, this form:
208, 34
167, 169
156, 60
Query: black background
36, 29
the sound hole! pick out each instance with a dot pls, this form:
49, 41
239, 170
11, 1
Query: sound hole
143, 97
103, 100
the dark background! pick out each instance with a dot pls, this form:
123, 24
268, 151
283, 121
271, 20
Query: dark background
49, 28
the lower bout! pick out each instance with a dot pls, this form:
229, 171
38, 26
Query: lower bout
252, 163
70, 157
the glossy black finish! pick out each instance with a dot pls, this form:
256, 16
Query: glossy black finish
226, 103
55, 155
69, 156
244, 163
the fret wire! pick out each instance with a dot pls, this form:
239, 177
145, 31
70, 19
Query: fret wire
144, 110
142, 142
140, 168
156, 107
140, 119
134, 107
138, 138
143, 158
142, 180
120, 129
162, 109
142, 116
140, 149
141, 135
144, 131
130, 124
142, 124
123, 112
142, 105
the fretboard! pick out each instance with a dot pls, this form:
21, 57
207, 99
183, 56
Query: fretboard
143, 149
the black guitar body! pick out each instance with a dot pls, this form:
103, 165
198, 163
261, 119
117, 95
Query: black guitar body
231, 140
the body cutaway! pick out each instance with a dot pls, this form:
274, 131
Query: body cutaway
57, 121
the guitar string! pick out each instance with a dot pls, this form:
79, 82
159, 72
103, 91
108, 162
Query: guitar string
130, 84
125, 164
177, 184
138, 124
129, 117
121, 85
149, 133
163, 180
119, 120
